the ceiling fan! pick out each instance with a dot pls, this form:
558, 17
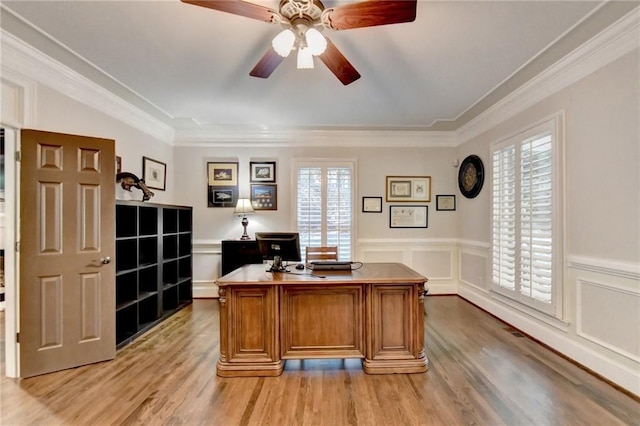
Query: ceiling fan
303, 20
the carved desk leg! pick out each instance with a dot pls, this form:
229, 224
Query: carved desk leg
223, 325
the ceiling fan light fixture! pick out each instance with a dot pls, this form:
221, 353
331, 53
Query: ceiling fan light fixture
315, 41
283, 42
305, 58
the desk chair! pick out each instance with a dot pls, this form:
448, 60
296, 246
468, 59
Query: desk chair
321, 253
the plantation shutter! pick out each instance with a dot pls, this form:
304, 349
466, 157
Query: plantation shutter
310, 211
324, 206
536, 218
339, 211
524, 216
504, 218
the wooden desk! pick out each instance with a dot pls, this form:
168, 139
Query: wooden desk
375, 313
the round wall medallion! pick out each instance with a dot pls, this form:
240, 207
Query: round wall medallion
471, 176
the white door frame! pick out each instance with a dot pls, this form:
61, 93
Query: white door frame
11, 257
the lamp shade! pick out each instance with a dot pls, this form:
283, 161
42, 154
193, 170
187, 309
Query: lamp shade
283, 42
305, 59
243, 207
316, 42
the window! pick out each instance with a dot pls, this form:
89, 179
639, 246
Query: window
526, 212
324, 207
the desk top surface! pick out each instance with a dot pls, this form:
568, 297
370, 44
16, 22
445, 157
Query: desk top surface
387, 273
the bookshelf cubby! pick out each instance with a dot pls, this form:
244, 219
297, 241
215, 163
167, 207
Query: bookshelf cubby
153, 265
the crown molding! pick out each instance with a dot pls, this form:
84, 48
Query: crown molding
609, 45
237, 136
21, 59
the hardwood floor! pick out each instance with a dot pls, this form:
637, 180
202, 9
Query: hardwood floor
480, 372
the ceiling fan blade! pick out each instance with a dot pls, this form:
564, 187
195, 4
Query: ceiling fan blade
372, 13
237, 7
267, 64
338, 64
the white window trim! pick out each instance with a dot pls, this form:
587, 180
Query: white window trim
555, 125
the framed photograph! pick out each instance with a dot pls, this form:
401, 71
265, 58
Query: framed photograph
118, 164
154, 173
222, 196
446, 202
263, 172
222, 174
264, 197
372, 204
409, 189
408, 216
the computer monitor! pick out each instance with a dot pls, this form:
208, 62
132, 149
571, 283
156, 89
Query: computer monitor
279, 247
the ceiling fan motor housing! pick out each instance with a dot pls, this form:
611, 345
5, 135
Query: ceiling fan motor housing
309, 9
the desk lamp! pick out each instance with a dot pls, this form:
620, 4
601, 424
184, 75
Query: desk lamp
243, 208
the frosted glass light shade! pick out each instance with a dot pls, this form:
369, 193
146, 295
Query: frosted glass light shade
316, 42
305, 58
283, 42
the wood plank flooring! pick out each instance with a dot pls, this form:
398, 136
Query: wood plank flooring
480, 373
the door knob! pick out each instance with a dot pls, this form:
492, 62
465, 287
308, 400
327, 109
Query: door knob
105, 260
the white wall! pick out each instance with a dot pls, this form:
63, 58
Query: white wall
375, 240
373, 165
599, 326
70, 116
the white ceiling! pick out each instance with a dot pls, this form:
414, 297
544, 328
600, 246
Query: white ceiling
189, 66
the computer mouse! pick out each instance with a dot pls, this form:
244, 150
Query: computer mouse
300, 266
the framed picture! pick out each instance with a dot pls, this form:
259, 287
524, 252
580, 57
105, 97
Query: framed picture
446, 202
372, 204
409, 189
408, 216
264, 197
154, 173
263, 172
222, 174
118, 164
222, 196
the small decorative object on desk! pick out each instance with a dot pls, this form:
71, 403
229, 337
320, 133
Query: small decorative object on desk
128, 180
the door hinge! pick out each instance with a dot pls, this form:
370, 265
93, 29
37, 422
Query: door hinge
17, 246
18, 155
17, 337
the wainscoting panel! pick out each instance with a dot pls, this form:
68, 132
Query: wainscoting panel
608, 308
474, 265
435, 259
207, 257
382, 254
